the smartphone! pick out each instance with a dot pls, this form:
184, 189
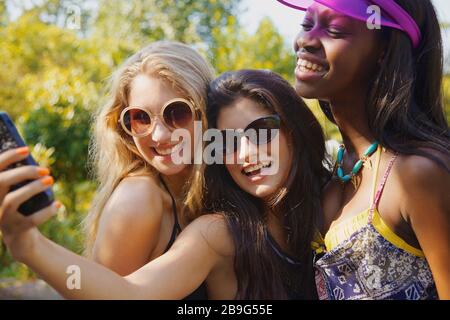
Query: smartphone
11, 139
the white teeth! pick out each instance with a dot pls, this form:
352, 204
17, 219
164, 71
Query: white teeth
167, 151
257, 167
308, 66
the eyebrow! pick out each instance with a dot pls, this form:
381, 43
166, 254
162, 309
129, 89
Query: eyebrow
149, 107
328, 13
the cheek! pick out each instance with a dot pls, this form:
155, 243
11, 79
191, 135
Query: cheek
343, 61
141, 144
285, 156
143, 148
350, 64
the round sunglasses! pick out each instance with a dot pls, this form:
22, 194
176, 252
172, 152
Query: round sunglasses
138, 122
259, 132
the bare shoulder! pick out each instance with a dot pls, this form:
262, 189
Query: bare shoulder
140, 188
214, 230
418, 172
424, 186
134, 211
136, 198
129, 226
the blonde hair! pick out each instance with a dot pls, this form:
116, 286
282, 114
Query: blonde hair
113, 152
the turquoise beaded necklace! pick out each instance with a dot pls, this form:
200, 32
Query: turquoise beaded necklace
357, 167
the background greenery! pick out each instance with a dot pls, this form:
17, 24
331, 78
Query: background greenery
56, 57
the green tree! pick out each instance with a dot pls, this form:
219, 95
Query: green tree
446, 90
129, 25
32, 49
4, 18
265, 49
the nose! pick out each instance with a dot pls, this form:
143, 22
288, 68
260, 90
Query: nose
160, 132
247, 152
308, 41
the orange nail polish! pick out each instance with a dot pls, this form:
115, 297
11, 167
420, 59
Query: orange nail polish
58, 204
23, 151
48, 181
43, 172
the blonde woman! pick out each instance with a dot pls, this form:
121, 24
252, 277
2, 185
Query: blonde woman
145, 199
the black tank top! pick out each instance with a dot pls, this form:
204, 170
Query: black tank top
200, 293
297, 276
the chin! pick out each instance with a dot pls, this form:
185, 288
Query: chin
264, 193
169, 169
306, 92
261, 191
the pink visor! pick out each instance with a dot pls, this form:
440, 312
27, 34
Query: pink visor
392, 15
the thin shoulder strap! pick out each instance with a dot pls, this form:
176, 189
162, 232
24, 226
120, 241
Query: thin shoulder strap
176, 227
377, 197
375, 175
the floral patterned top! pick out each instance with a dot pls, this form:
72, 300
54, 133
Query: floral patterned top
366, 260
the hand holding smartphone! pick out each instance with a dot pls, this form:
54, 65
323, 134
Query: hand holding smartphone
11, 139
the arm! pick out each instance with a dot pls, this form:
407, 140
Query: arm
426, 205
173, 275
129, 227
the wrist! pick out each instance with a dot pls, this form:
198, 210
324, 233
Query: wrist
23, 245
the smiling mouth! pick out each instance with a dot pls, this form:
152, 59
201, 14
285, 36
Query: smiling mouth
310, 67
255, 170
164, 152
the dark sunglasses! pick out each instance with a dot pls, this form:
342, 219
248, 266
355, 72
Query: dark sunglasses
259, 132
138, 122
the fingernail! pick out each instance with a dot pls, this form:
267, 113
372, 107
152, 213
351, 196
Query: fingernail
48, 181
23, 151
58, 204
43, 172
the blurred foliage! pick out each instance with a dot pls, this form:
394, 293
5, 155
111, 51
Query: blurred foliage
3, 14
447, 97
235, 49
188, 21
57, 55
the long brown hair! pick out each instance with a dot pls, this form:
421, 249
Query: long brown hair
405, 106
298, 201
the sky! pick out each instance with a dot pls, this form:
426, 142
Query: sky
288, 20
